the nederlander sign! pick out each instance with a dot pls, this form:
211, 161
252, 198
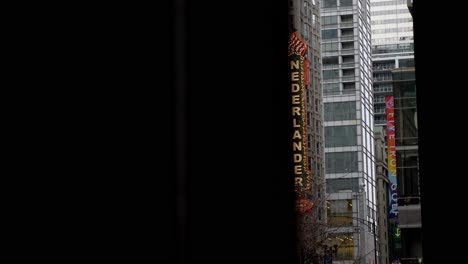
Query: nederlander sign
302, 176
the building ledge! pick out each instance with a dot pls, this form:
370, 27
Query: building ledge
409, 216
419, 225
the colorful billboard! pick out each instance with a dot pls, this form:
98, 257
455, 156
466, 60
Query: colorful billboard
297, 81
391, 158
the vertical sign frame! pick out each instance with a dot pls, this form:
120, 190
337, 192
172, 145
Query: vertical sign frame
391, 158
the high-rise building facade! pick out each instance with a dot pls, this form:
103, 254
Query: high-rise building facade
382, 196
392, 47
349, 136
394, 75
304, 19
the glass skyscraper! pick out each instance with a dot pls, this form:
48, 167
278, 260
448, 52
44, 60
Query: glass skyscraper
349, 129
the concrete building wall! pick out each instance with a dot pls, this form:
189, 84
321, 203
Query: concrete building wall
304, 19
382, 196
393, 64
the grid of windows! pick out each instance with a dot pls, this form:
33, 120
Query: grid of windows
349, 148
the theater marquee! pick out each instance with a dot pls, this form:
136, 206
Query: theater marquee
297, 71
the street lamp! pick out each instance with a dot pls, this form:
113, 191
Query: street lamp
368, 223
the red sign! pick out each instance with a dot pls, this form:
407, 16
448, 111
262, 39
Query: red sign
296, 45
303, 206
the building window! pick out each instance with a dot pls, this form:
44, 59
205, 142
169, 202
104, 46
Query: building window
348, 72
336, 185
330, 61
346, 18
330, 74
305, 31
346, 2
340, 212
340, 111
330, 47
384, 87
347, 32
331, 88
383, 76
379, 119
406, 63
329, 20
347, 45
348, 59
379, 99
345, 242
340, 136
349, 87
329, 3
384, 65
379, 110
329, 33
